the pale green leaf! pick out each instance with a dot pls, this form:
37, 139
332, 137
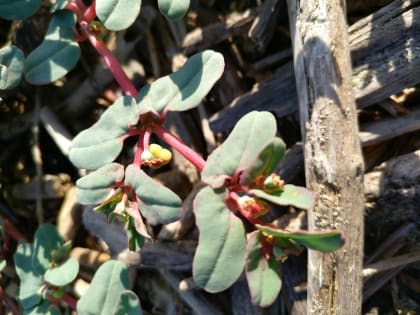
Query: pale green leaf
63, 274
101, 143
103, 295
158, 204
57, 54
173, 9
184, 89
220, 256
244, 144
117, 14
11, 67
262, 275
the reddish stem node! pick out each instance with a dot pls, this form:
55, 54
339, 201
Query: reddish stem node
233, 197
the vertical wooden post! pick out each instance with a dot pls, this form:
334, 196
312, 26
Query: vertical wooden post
333, 159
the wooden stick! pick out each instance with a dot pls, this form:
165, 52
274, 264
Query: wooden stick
333, 158
391, 263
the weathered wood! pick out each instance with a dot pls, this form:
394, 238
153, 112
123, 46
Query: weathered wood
263, 27
393, 33
203, 38
386, 129
333, 159
381, 67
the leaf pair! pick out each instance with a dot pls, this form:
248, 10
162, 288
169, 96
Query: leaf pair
118, 15
158, 204
37, 263
180, 91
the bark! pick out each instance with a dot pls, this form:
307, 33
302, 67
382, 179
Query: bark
333, 160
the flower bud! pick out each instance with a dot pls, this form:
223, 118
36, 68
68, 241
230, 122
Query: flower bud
156, 156
255, 207
146, 156
273, 184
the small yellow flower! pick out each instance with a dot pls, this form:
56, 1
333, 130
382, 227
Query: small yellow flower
156, 156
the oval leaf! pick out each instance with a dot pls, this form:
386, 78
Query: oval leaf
117, 14
18, 9
184, 89
104, 292
158, 204
263, 275
96, 186
249, 137
57, 54
30, 283
11, 67
325, 241
220, 256
266, 161
63, 274
128, 304
173, 9
101, 143
292, 195
47, 239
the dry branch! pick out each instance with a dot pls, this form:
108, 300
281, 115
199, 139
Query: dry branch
333, 159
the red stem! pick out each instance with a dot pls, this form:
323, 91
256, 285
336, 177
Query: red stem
12, 231
180, 146
75, 8
70, 301
139, 150
110, 61
90, 13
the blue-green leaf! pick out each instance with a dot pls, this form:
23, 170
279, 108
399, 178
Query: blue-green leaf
101, 143
266, 161
11, 67
45, 308
96, 186
64, 274
250, 136
47, 239
128, 304
184, 89
325, 241
105, 290
292, 195
263, 275
220, 256
174, 9
30, 283
18, 9
158, 204
57, 54
117, 14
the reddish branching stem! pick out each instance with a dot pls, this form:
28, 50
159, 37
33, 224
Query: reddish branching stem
180, 146
110, 61
90, 13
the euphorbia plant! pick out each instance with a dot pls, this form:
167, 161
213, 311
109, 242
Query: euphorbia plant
240, 178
